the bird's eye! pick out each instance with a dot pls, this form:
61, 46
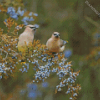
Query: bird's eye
54, 34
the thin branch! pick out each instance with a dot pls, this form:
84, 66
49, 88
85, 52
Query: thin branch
92, 21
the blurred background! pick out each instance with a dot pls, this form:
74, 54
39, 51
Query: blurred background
80, 26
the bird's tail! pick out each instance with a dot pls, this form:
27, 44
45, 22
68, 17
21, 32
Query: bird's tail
62, 48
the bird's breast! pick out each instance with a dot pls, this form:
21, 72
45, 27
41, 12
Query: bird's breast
53, 46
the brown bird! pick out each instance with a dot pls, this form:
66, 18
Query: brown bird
26, 38
55, 44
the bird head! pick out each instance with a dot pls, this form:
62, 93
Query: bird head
56, 35
31, 28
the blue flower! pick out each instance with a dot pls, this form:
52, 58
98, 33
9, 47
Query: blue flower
35, 14
14, 15
30, 14
19, 12
75, 94
32, 95
44, 59
70, 98
45, 84
25, 19
0, 77
32, 87
25, 23
33, 62
10, 9
31, 19
68, 53
13, 57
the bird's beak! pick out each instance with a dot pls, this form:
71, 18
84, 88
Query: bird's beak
36, 27
57, 35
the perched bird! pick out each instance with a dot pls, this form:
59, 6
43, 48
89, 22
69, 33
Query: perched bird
55, 44
26, 38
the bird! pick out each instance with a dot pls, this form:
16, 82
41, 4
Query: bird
26, 38
55, 44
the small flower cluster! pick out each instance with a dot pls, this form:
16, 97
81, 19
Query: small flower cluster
3, 70
68, 77
21, 13
24, 68
10, 22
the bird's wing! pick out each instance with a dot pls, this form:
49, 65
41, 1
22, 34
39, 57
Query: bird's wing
62, 42
25, 37
48, 41
20, 37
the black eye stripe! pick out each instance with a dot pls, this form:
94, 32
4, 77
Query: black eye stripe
56, 34
32, 27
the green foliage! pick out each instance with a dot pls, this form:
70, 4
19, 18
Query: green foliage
66, 3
